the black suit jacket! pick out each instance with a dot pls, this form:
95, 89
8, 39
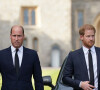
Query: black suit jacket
30, 66
76, 66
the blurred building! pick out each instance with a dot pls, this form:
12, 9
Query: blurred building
51, 26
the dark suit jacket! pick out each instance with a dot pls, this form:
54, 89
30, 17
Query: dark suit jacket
30, 66
76, 66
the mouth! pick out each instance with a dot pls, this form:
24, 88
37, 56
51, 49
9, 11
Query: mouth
17, 43
91, 42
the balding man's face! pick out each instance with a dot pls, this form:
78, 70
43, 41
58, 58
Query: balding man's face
17, 36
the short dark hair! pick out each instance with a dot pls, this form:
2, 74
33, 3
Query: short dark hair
19, 26
86, 27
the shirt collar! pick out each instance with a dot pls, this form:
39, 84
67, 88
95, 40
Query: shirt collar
13, 49
86, 49
93, 49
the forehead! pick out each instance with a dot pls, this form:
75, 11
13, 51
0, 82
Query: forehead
89, 31
17, 29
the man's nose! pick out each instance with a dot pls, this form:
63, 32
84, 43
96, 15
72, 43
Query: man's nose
91, 38
16, 37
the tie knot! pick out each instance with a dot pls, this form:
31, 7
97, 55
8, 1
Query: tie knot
17, 50
89, 50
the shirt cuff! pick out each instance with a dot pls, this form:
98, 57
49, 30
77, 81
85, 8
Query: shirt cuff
80, 84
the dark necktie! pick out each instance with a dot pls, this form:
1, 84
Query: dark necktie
91, 68
16, 62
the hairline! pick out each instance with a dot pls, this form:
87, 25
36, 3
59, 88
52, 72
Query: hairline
18, 26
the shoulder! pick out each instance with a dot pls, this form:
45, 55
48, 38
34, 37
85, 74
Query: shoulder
5, 50
97, 48
30, 51
75, 52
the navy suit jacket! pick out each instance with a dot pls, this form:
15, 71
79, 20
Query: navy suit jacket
76, 67
30, 66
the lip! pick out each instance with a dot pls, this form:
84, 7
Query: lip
16, 43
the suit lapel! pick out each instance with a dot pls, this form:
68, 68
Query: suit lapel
10, 59
24, 58
98, 59
83, 62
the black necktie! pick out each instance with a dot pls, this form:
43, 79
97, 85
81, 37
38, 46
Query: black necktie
91, 68
16, 62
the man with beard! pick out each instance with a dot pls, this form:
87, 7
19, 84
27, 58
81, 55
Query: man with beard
83, 64
18, 64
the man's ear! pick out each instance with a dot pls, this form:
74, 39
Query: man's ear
10, 36
81, 37
24, 36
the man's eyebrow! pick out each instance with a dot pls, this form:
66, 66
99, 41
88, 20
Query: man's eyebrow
16, 35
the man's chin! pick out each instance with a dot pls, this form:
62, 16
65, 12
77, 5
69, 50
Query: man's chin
91, 45
16, 46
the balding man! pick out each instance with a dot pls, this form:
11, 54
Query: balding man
18, 64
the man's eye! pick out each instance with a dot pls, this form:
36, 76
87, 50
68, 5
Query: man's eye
88, 36
14, 35
19, 36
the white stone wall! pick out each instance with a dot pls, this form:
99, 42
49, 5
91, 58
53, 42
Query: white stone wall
54, 25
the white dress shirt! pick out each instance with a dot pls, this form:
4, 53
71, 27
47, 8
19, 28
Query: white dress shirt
20, 54
94, 58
